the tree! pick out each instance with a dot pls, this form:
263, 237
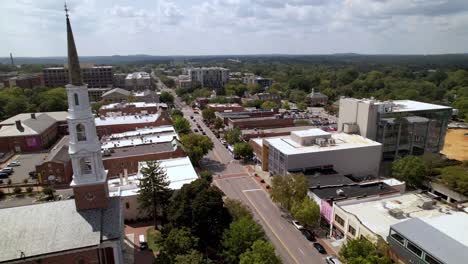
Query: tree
176, 113
154, 192
235, 89
181, 125
193, 257
218, 123
17, 190
207, 175
254, 88
362, 251
261, 252
196, 146
243, 150
232, 136
237, 209
297, 96
456, 178
209, 115
49, 192
268, 105
306, 212
410, 169
288, 189
239, 237
166, 97
180, 241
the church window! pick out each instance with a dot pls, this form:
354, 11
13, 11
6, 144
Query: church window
75, 96
80, 132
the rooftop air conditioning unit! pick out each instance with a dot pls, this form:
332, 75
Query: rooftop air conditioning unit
396, 212
427, 204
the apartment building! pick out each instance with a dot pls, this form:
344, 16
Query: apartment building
258, 80
209, 77
404, 127
138, 81
93, 76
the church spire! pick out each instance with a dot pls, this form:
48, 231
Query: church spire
74, 71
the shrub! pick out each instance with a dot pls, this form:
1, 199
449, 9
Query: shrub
29, 189
17, 190
25, 181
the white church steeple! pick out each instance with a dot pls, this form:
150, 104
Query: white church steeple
89, 177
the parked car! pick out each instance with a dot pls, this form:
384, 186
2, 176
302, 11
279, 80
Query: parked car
7, 170
143, 243
320, 248
4, 175
332, 260
191, 117
297, 224
308, 235
195, 130
14, 164
203, 133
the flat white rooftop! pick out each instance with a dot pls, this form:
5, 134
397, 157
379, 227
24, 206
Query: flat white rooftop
130, 119
343, 141
374, 213
403, 105
142, 132
135, 141
179, 171
313, 132
134, 104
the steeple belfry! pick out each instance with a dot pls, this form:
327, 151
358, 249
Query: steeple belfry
89, 177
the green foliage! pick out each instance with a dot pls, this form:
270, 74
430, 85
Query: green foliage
29, 189
410, 169
286, 105
297, 96
49, 192
154, 192
176, 113
261, 252
207, 175
239, 237
243, 150
289, 189
96, 106
268, 105
166, 97
232, 136
196, 146
169, 82
456, 178
362, 251
179, 241
17, 190
306, 212
209, 115
181, 125
193, 257
154, 239
235, 89
253, 103
218, 123
237, 209
254, 88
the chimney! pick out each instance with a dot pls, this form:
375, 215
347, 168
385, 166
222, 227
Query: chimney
18, 125
33, 115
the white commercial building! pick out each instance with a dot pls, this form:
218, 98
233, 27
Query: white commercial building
315, 149
138, 81
402, 126
179, 171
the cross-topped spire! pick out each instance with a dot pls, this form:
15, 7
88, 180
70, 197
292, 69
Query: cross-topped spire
66, 9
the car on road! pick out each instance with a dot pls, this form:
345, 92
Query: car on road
195, 130
332, 260
4, 175
297, 224
203, 133
308, 235
191, 117
320, 248
14, 164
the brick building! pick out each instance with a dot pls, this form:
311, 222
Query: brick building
131, 108
226, 107
29, 81
94, 76
56, 168
226, 116
32, 131
120, 124
260, 122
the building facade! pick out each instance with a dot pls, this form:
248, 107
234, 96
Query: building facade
209, 77
29, 81
94, 76
138, 81
95, 94
404, 127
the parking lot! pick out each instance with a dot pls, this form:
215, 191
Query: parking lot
28, 163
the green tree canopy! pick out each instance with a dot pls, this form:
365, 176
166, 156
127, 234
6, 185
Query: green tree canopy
181, 125
179, 241
289, 189
237, 209
196, 146
166, 97
306, 211
268, 105
209, 115
362, 251
239, 237
218, 123
410, 169
456, 178
193, 257
154, 193
261, 252
243, 150
232, 136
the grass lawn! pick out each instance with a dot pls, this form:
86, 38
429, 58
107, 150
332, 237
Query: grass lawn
154, 239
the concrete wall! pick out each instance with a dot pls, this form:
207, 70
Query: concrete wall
357, 161
362, 113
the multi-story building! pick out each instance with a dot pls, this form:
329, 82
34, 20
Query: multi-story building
95, 94
260, 122
315, 149
316, 98
404, 127
107, 125
209, 77
93, 76
184, 82
119, 79
226, 107
56, 167
266, 97
134, 108
258, 80
138, 81
115, 95
25, 81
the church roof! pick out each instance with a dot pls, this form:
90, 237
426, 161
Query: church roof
74, 71
30, 126
47, 228
117, 91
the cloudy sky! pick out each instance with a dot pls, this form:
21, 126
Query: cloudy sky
205, 27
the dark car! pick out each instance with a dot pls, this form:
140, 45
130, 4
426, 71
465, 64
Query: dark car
4, 175
308, 235
320, 248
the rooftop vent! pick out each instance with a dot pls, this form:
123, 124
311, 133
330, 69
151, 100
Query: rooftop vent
396, 212
340, 192
427, 204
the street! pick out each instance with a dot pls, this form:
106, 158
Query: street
233, 179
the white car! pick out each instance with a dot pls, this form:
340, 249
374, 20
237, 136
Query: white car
297, 224
14, 164
333, 260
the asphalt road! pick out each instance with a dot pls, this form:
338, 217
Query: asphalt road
289, 243
235, 182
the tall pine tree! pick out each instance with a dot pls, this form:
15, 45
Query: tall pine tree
154, 193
